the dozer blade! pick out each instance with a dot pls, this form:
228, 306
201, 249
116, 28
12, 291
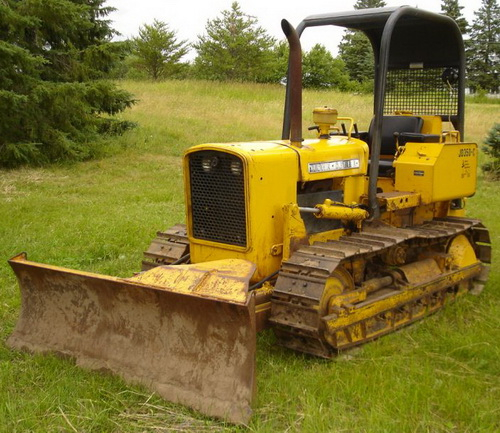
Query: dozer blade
187, 332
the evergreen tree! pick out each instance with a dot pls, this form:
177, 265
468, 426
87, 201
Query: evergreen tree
356, 52
51, 51
234, 48
367, 4
492, 148
452, 9
483, 48
355, 49
321, 70
276, 73
157, 50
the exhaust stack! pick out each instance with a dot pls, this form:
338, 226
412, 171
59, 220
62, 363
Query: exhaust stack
294, 85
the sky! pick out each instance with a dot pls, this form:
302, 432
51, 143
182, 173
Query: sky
189, 17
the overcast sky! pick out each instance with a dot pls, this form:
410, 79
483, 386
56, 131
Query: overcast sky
189, 17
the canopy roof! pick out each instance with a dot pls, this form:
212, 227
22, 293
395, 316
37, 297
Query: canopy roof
415, 35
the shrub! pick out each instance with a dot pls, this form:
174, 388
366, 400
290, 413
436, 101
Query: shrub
492, 148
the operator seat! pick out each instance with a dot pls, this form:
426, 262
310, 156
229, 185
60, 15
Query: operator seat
392, 127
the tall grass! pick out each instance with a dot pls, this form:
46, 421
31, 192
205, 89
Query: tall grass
439, 375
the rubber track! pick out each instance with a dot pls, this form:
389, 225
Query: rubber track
299, 288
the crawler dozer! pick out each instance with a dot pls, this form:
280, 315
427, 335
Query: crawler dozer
332, 240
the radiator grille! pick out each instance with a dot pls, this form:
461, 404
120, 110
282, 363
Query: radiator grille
217, 181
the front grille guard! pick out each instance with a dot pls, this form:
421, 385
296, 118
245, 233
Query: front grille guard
217, 194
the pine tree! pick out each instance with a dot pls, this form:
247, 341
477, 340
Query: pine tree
483, 48
452, 9
355, 49
366, 4
276, 72
234, 48
492, 149
157, 50
321, 70
51, 54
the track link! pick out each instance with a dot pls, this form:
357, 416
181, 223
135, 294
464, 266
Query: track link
301, 318
167, 248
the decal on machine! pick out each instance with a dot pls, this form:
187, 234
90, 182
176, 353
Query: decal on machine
341, 164
465, 152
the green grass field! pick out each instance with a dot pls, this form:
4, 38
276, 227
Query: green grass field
439, 375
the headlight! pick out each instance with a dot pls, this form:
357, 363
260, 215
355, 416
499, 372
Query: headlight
236, 168
208, 163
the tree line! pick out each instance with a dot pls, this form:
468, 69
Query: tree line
235, 48
57, 57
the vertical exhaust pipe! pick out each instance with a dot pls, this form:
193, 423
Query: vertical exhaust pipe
294, 84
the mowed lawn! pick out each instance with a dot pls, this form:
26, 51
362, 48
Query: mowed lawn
439, 375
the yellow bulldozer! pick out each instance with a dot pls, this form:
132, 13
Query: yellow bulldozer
332, 241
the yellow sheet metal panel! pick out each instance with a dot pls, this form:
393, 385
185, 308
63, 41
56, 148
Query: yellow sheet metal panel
432, 125
225, 280
294, 229
271, 171
354, 187
456, 171
438, 171
337, 157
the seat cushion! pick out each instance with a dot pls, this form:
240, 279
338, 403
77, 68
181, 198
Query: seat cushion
392, 125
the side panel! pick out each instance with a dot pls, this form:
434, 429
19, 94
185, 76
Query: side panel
337, 157
456, 171
438, 171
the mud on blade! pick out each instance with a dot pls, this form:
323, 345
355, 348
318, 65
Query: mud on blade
196, 348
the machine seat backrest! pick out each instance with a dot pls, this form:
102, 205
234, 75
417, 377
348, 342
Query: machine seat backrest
395, 124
